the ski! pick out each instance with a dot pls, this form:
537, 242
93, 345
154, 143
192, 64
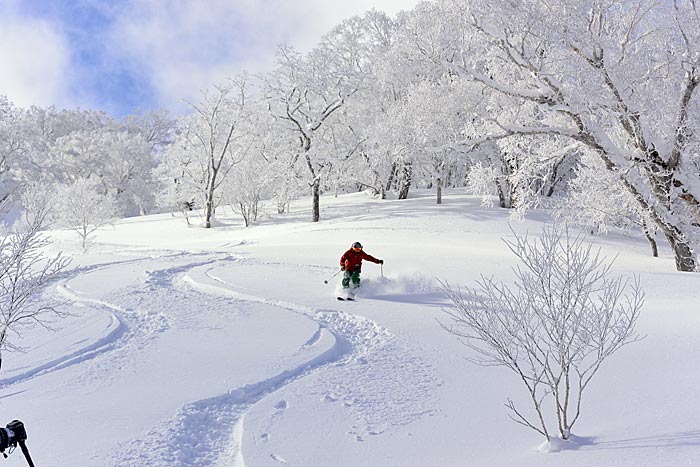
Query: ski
348, 295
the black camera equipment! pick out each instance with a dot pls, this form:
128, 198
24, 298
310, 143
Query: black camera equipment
11, 436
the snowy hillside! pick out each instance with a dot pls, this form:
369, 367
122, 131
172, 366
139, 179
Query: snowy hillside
224, 347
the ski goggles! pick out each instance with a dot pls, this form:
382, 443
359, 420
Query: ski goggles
357, 249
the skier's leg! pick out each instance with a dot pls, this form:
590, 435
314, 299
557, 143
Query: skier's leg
356, 279
346, 279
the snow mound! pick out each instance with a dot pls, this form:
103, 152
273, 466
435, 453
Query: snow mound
558, 444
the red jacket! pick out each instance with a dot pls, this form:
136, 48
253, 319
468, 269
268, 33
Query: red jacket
352, 259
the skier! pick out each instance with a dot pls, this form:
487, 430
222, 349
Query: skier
351, 264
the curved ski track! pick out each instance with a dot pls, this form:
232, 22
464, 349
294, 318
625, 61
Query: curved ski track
123, 327
359, 356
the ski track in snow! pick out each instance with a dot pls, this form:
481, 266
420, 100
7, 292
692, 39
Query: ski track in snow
359, 366
210, 431
132, 306
359, 371
375, 376
130, 328
118, 331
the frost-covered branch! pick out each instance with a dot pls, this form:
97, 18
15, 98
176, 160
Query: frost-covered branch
560, 320
24, 274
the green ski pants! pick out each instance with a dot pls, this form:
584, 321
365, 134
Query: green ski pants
353, 276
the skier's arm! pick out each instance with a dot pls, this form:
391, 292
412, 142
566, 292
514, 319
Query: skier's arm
371, 258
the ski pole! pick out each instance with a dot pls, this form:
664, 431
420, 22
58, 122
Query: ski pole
326, 281
381, 269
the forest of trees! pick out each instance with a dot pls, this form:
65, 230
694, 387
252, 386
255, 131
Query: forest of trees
589, 108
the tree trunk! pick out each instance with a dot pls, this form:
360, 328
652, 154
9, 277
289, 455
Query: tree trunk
504, 191
207, 214
2, 342
392, 176
316, 201
650, 238
501, 197
439, 191
661, 185
209, 208
682, 252
406, 181
84, 236
503, 185
209, 202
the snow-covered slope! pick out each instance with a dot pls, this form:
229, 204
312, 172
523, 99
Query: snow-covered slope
224, 347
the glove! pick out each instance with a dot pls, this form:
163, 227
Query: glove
342, 268
20, 434
381, 261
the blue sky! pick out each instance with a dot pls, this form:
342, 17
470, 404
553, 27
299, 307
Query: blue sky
124, 55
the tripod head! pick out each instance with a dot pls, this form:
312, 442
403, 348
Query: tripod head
11, 436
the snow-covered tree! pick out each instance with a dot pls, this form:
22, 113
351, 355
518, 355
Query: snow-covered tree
157, 128
13, 148
597, 200
83, 206
121, 161
303, 112
619, 78
62, 146
212, 140
126, 171
519, 172
24, 273
43, 130
305, 91
246, 188
435, 121
176, 193
554, 326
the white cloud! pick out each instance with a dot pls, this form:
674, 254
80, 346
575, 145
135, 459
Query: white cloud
187, 45
34, 61
178, 46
